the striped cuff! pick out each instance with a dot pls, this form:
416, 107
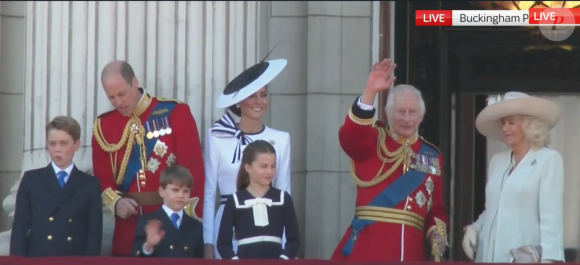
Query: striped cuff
359, 115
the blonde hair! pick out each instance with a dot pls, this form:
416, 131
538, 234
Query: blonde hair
536, 131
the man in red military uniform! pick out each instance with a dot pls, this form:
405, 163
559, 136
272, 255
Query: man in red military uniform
399, 200
133, 144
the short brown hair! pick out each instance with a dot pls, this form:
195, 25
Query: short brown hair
119, 67
176, 175
67, 124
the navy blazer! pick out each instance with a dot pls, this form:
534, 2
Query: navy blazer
54, 221
185, 242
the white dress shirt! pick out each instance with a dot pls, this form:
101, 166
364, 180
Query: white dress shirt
364, 106
68, 170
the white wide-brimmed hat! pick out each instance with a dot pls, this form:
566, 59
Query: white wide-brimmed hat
489, 122
249, 82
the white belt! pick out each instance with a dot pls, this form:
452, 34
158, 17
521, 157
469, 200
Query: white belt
256, 239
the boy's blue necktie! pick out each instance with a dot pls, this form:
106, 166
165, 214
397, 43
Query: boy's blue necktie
174, 218
61, 175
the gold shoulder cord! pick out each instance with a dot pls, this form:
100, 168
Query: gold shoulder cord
133, 126
398, 157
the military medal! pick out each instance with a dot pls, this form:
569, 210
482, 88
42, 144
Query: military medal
155, 131
429, 185
432, 165
420, 199
160, 148
167, 128
162, 130
149, 133
171, 160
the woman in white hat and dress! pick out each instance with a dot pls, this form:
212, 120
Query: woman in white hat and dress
246, 96
525, 185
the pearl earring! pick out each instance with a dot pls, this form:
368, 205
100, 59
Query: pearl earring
238, 106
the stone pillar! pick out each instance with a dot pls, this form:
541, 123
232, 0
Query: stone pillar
339, 61
177, 49
12, 39
56, 83
288, 27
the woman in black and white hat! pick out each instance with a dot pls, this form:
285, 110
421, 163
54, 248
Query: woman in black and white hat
246, 96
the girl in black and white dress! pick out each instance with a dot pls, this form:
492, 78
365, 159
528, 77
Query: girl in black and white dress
246, 96
258, 214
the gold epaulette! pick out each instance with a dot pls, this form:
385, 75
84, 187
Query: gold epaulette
379, 124
169, 100
430, 144
110, 198
189, 208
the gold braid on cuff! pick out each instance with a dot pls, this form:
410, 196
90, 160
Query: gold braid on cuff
358, 120
439, 227
431, 230
110, 198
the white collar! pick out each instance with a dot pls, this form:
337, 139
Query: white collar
142, 96
169, 212
68, 170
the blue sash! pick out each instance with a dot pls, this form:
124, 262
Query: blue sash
161, 110
391, 196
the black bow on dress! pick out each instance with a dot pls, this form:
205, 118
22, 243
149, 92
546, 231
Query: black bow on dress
226, 126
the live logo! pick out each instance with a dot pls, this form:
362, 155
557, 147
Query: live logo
554, 16
436, 18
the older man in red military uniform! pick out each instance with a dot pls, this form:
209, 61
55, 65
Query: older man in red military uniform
399, 200
133, 144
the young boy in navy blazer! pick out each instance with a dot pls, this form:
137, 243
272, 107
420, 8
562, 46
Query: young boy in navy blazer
58, 207
169, 232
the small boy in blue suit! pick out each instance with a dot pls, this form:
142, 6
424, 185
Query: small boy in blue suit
58, 207
169, 232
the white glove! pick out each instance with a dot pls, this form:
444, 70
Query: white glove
469, 241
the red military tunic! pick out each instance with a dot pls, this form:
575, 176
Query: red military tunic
396, 232
181, 146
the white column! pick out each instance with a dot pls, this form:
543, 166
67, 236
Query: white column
12, 20
177, 49
339, 62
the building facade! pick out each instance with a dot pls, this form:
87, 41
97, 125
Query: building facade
52, 53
